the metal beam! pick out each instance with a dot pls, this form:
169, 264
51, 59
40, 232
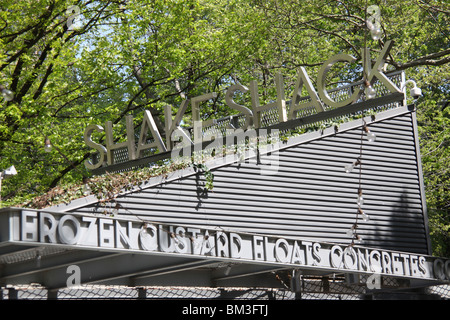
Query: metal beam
173, 269
122, 266
32, 270
242, 270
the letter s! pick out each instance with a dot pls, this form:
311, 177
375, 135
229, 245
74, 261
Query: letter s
422, 266
101, 149
316, 246
230, 102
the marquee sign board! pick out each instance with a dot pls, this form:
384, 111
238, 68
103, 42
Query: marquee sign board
318, 99
102, 233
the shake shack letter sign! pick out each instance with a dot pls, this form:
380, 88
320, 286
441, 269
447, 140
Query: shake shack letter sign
135, 236
174, 132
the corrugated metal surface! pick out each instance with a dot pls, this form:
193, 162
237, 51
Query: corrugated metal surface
311, 196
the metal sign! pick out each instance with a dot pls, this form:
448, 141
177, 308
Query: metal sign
318, 99
137, 236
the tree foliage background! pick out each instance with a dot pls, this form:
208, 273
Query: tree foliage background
121, 57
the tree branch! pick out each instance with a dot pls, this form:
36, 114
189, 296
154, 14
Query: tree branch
429, 60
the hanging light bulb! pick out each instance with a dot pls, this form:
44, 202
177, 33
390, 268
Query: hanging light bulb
358, 239
360, 199
47, 145
8, 95
363, 214
365, 217
374, 21
370, 25
349, 167
350, 232
370, 92
376, 33
371, 137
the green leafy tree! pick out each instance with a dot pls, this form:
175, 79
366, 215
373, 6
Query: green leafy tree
434, 122
115, 58
121, 57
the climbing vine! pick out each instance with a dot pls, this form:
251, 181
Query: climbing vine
209, 176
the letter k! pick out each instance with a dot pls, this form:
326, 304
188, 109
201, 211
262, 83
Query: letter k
376, 70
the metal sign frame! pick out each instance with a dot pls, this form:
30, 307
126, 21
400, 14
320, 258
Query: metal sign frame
129, 242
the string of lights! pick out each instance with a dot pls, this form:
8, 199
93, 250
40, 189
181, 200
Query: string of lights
352, 232
373, 23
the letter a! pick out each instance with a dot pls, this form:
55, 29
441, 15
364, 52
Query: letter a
74, 279
149, 123
374, 282
303, 79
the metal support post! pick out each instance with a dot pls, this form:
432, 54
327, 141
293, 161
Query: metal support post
296, 284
